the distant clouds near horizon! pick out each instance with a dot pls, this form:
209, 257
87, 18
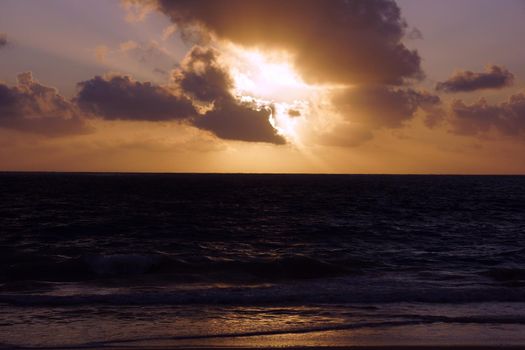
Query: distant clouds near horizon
359, 75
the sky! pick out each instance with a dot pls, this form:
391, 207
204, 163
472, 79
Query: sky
265, 86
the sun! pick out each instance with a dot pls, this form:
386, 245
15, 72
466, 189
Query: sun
267, 75
270, 81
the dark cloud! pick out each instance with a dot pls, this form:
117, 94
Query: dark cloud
3, 40
494, 77
33, 107
236, 121
386, 107
508, 117
122, 98
341, 41
200, 94
203, 79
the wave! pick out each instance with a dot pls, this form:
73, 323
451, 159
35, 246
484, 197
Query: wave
323, 292
506, 274
60, 269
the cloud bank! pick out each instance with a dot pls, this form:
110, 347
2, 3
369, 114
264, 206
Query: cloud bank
122, 98
199, 94
358, 41
507, 117
494, 77
33, 107
385, 107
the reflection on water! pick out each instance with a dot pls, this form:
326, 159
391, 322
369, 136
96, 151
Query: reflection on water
322, 325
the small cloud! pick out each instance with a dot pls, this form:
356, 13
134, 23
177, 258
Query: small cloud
132, 55
169, 31
137, 10
494, 77
160, 71
3, 40
415, 34
128, 45
294, 113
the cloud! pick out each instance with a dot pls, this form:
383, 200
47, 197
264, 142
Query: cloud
33, 107
203, 79
122, 98
380, 106
199, 94
480, 117
3, 40
337, 41
135, 55
147, 52
348, 42
169, 31
415, 34
128, 45
236, 121
494, 77
136, 10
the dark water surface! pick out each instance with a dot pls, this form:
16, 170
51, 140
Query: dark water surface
102, 258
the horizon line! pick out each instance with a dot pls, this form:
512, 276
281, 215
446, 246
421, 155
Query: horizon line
246, 173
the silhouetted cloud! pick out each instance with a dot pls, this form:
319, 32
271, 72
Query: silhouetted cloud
355, 41
33, 107
203, 79
494, 77
386, 107
3, 40
507, 117
120, 97
237, 121
199, 94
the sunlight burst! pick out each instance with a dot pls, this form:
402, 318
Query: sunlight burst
270, 81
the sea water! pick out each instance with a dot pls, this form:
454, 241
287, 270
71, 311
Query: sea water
260, 260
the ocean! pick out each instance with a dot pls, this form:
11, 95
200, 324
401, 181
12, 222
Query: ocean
124, 260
